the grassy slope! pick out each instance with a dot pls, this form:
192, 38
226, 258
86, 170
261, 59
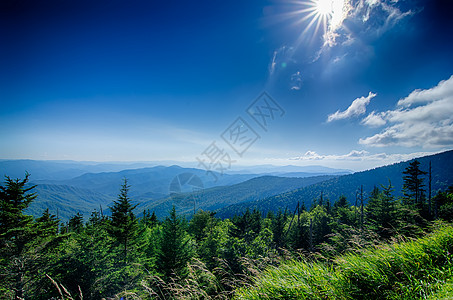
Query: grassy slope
411, 270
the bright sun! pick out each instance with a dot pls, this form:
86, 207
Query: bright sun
323, 7
326, 15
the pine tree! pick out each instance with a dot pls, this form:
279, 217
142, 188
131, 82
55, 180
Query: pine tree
341, 202
413, 184
175, 249
15, 231
14, 199
256, 222
278, 229
153, 221
47, 224
123, 224
76, 223
381, 210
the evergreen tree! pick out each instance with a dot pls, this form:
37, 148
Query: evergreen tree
278, 229
75, 224
123, 224
321, 221
148, 219
201, 221
413, 184
444, 204
94, 220
175, 249
15, 232
343, 213
47, 224
256, 222
14, 199
341, 202
382, 212
241, 224
153, 221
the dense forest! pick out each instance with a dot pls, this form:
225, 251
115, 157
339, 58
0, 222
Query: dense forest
123, 256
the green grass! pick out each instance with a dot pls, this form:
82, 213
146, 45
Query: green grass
410, 270
445, 292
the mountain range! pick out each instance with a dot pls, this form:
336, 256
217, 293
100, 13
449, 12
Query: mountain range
218, 197
69, 187
350, 186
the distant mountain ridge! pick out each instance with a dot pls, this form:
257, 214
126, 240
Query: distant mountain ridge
59, 170
144, 180
225, 193
67, 169
221, 196
71, 194
147, 184
348, 185
312, 170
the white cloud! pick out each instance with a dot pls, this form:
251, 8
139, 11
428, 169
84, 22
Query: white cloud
374, 119
312, 155
357, 108
372, 18
377, 16
361, 155
340, 11
424, 118
442, 90
281, 58
309, 155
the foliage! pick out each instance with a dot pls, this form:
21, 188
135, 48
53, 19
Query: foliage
329, 251
407, 270
123, 224
176, 248
346, 185
413, 186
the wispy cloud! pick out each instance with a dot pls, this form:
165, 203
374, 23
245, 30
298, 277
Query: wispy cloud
357, 108
360, 155
424, 118
371, 18
296, 81
280, 59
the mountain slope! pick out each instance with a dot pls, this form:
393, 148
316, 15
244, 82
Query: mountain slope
87, 192
219, 197
66, 201
145, 180
348, 185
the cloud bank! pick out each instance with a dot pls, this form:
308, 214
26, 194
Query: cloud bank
424, 118
360, 155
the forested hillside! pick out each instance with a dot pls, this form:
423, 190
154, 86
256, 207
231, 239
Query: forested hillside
349, 186
219, 197
91, 190
65, 201
327, 250
152, 186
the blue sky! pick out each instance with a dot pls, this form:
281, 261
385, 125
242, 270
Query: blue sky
359, 84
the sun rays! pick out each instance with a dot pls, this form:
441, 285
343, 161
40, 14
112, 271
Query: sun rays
319, 16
